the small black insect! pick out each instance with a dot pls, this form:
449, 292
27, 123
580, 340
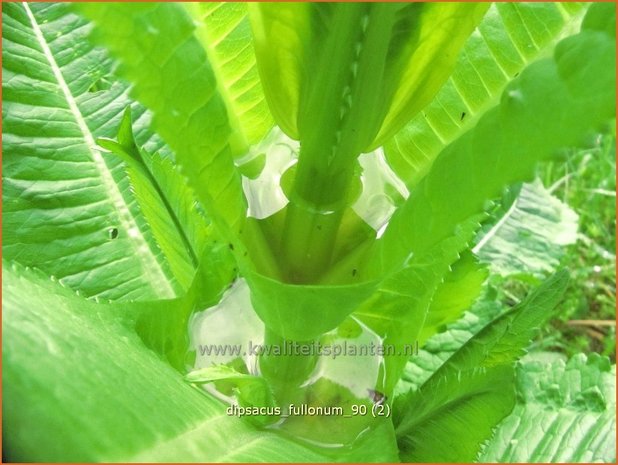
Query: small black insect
377, 397
463, 115
231, 246
354, 272
113, 233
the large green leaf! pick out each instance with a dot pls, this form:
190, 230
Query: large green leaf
459, 404
81, 386
462, 285
441, 31
170, 207
171, 75
226, 34
529, 238
552, 104
67, 207
439, 347
504, 339
510, 37
460, 288
565, 412
454, 416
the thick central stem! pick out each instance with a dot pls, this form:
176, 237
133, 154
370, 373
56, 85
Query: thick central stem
340, 111
312, 221
286, 365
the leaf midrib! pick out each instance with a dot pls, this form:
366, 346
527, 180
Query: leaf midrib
150, 266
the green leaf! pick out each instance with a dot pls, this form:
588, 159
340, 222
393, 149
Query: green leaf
510, 37
178, 84
287, 26
166, 201
490, 338
552, 104
601, 18
565, 412
460, 288
124, 146
66, 404
162, 325
529, 238
81, 386
504, 339
304, 312
48, 417
377, 445
225, 33
68, 209
442, 32
172, 211
439, 347
463, 399
454, 415
250, 390
399, 308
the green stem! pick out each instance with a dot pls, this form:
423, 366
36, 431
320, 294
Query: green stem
308, 242
286, 365
317, 204
340, 112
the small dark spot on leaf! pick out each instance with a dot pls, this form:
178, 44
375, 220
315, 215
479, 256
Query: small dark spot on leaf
463, 115
354, 272
245, 254
516, 74
319, 226
231, 246
113, 233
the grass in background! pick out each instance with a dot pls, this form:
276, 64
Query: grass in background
586, 181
